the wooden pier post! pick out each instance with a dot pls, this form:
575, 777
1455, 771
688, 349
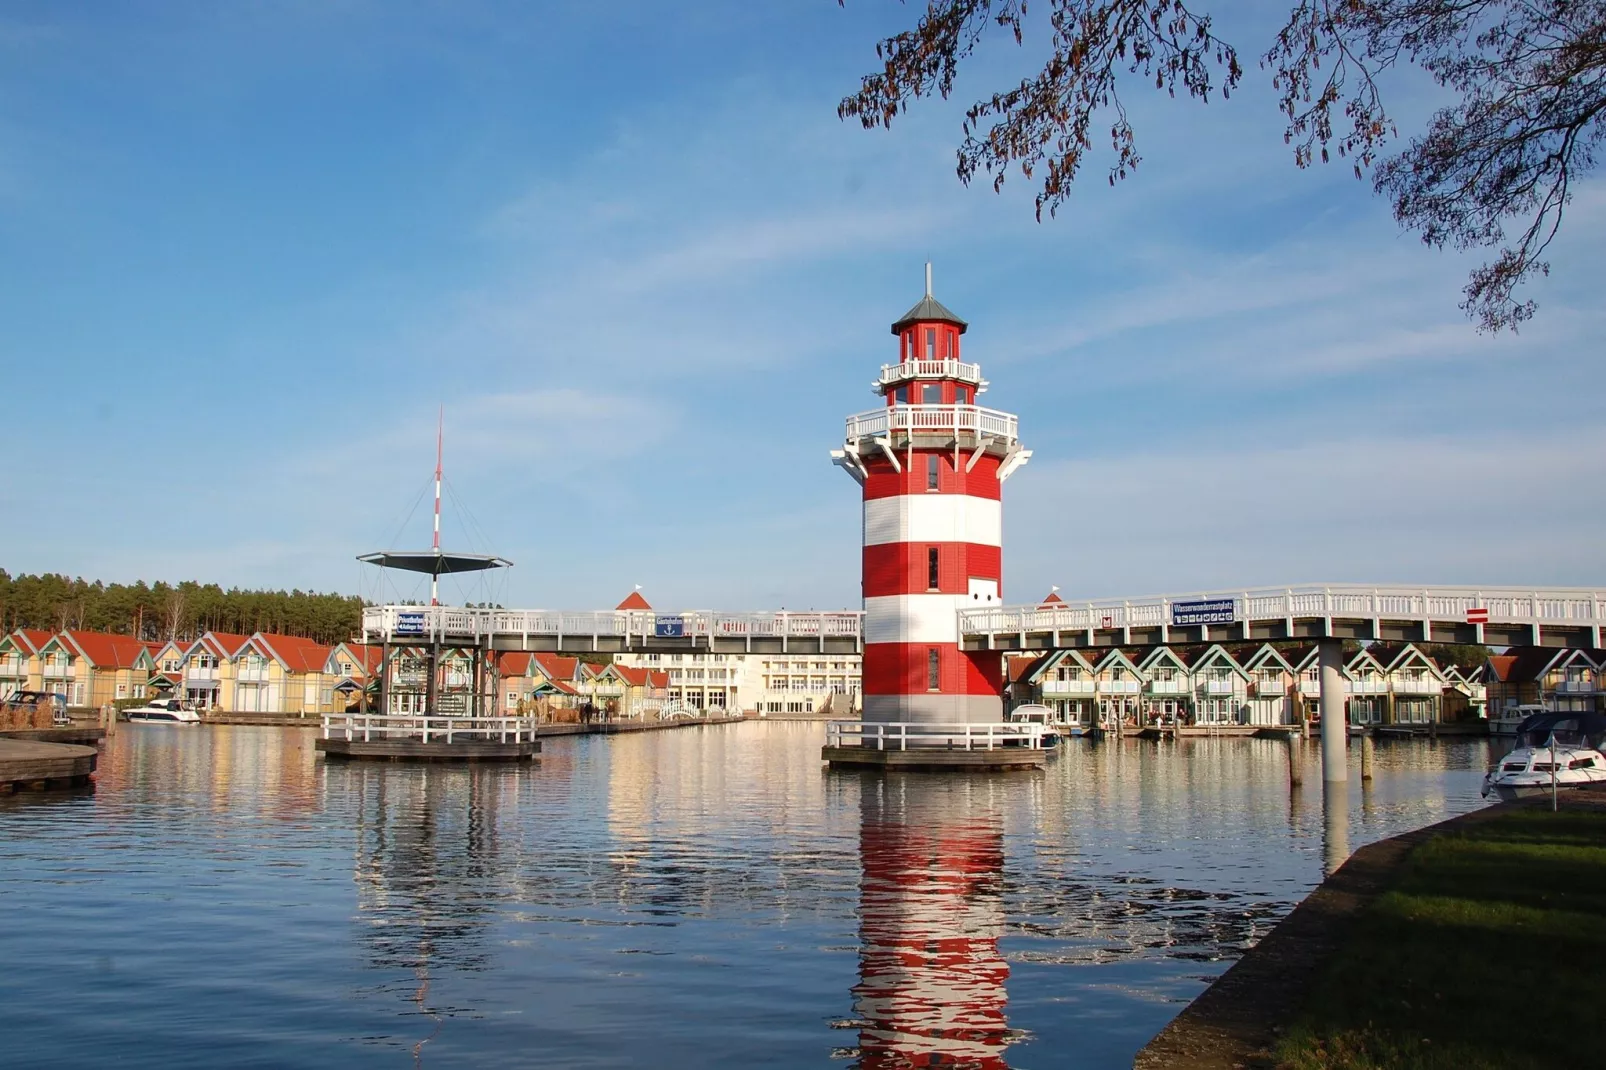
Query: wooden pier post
1367, 756
1296, 775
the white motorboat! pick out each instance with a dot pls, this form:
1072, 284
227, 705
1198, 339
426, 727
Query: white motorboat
1035, 714
163, 711
1555, 752
1506, 721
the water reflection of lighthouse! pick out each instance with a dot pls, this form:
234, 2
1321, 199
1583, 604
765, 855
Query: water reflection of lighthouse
931, 979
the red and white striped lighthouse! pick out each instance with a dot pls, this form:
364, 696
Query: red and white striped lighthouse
932, 463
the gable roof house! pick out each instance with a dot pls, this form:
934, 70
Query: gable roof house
19, 660
102, 667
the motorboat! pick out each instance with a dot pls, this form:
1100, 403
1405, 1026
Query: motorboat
1506, 722
1039, 715
1556, 751
163, 711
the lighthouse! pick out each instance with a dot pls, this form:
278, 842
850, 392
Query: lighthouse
932, 462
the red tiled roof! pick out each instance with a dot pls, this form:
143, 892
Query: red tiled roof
1017, 666
104, 650
633, 601
514, 663
297, 654
1053, 599
556, 666
223, 644
32, 638
658, 678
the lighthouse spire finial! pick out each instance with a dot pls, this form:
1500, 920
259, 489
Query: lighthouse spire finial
928, 278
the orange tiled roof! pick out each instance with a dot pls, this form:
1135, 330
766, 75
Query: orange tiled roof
633, 601
32, 638
297, 654
104, 650
556, 667
223, 644
514, 663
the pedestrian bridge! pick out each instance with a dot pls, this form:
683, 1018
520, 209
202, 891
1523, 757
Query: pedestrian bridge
616, 631
1497, 616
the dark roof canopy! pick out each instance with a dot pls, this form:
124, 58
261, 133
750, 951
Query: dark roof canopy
929, 310
433, 562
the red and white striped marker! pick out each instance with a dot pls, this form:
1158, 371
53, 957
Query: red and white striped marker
1477, 616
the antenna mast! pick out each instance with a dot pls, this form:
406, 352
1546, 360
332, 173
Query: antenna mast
435, 577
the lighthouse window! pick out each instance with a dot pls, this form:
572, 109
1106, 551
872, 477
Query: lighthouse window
931, 393
900, 396
962, 395
931, 343
933, 664
931, 471
932, 575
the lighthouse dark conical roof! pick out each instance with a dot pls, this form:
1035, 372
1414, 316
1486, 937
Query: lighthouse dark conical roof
929, 310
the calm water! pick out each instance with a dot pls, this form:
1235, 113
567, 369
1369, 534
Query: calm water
700, 897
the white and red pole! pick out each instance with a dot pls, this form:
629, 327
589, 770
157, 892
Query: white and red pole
440, 437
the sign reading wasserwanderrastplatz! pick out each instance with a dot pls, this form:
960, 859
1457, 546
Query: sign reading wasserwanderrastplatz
1208, 611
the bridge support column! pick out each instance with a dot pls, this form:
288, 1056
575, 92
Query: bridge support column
1335, 731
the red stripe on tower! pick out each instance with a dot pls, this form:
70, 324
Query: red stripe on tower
932, 462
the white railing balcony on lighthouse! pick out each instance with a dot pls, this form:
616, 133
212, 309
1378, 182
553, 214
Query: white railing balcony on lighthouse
951, 420
930, 369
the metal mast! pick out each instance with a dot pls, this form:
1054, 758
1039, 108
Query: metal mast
435, 577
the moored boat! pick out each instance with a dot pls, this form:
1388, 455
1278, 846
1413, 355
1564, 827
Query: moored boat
163, 711
1556, 752
1035, 714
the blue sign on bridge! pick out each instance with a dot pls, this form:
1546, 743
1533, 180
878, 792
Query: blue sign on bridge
1209, 611
409, 624
669, 627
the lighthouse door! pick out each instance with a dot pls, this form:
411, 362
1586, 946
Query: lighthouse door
983, 591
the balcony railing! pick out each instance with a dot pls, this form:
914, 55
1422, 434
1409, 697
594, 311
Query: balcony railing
930, 369
947, 420
1426, 686
1219, 687
1575, 687
252, 675
1175, 686
1267, 688
420, 623
1067, 687
1118, 687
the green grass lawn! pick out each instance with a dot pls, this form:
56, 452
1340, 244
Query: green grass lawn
1490, 951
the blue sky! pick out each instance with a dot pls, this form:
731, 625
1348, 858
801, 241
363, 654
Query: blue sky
247, 250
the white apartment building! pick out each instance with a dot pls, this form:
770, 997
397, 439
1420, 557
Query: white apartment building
768, 684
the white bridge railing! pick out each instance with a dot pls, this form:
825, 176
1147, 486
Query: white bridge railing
1504, 605
905, 735
367, 727
953, 420
423, 622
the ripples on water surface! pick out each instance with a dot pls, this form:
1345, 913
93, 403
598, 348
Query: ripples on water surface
699, 897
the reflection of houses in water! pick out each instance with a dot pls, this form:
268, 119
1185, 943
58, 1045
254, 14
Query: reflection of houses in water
430, 869
931, 979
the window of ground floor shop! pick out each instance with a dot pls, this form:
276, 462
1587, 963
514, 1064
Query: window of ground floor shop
1366, 711
1413, 710
1216, 711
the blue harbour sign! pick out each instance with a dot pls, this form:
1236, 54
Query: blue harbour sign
669, 627
409, 624
1207, 611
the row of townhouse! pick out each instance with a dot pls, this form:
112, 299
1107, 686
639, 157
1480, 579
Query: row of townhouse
1562, 680
260, 673
1266, 686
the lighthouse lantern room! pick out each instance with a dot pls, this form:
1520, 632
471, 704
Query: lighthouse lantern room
932, 463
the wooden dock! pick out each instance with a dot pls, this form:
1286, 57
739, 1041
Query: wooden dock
937, 759
413, 750
31, 765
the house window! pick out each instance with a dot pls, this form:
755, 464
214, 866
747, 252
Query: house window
931, 471
931, 343
933, 669
932, 572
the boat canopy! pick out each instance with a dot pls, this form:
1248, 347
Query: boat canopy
1568, 726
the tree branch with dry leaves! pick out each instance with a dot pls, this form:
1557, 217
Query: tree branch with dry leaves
1529, 77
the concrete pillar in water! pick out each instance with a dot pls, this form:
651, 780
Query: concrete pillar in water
1335, 733
1335, 826
1367, 756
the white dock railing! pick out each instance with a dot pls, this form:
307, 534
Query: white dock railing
907, 735
1504, 605
952, 420
367, 727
